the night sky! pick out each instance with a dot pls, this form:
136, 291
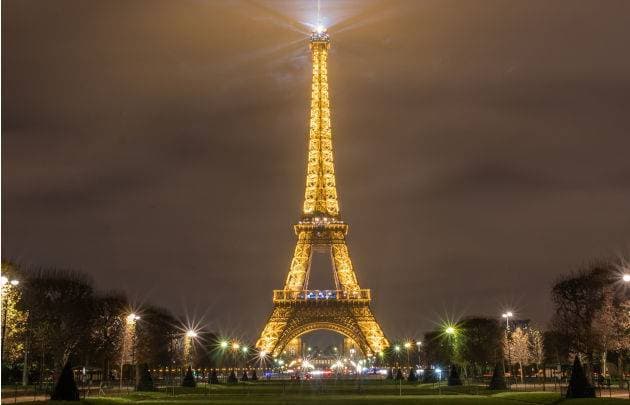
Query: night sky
482, 148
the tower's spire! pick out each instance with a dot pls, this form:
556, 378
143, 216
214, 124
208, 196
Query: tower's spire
320, 196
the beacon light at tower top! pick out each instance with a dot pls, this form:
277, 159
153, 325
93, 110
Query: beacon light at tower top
320, 34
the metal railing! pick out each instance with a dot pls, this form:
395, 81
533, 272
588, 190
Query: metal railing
321, 295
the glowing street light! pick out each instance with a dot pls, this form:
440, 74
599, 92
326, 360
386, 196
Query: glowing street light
235, 346
132, 318
626, 278
397, 348
191, 334
507, 317
450, 330
224, 344
407, 345
244, 349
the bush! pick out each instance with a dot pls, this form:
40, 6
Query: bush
145, 381
579, 387
453, 376
189, 379
498, 378
66, 387
428, 376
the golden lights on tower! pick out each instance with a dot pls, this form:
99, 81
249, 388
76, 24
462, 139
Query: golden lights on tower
298, 310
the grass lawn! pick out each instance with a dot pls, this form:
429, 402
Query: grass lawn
329, 392
337, 393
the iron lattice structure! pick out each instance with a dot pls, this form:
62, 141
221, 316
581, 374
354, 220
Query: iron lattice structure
346, 309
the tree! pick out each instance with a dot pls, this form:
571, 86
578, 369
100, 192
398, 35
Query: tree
519, 348
145, 381
254, 376
66, 387
60, 304
480, 343
399, 375
411, 377
244, 376
214, 379
437, 349
579, 387
498, 378
453, 376
157, 337
14, 319
107, 330
189, 379
232, 378
390, 374
583, 302
536, 347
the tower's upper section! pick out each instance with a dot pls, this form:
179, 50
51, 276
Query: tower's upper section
320, 197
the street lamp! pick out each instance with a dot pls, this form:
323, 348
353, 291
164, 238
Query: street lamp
626, 278
129, 332
191, 334
507, 317
5, 284
407, 347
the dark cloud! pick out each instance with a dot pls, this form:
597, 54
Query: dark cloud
481, 147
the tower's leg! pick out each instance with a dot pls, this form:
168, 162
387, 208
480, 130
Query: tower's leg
299, 264
343, 265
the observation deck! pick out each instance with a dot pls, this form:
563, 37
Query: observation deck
362, 295
320, 36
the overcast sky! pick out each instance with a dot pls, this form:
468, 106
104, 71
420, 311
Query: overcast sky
482, 148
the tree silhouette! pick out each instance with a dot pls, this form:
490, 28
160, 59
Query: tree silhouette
411, 377
453, 376
232, 378
244, 376
145, 381
189, 379
214, 379
399, 375
498, 378
254, 376
66, 388
579, 387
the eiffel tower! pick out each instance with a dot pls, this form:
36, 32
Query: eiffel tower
296, 309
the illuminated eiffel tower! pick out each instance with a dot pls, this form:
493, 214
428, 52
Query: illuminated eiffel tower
298, 310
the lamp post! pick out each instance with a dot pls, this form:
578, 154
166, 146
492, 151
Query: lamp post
5, 285
188, 340
407, 347
129, 331
235, 347
507, 317
626, 278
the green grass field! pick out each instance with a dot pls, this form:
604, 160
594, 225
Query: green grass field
336, 393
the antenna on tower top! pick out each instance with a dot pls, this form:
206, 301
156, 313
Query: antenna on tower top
319, 33
319, 21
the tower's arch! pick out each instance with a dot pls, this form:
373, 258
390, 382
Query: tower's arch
307, 327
